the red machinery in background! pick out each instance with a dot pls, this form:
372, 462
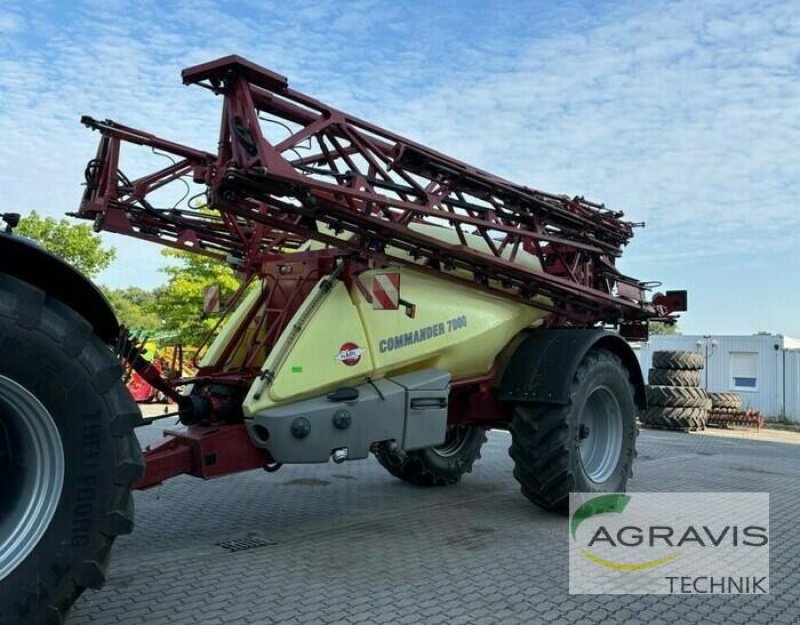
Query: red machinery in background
169, 366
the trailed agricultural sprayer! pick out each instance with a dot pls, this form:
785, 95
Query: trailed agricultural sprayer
393, 301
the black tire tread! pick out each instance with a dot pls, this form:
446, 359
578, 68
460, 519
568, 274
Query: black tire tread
540, 441
725, 400
678, 360
420, 469
667, 417
677, 396
34, 311
673, 377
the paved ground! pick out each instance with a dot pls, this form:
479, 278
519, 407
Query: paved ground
350, 544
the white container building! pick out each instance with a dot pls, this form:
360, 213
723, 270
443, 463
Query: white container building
763, 369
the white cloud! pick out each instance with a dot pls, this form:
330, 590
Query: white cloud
682, 114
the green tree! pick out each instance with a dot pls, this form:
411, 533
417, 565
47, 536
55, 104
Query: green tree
135, 307
179, 303
76, 244
658, 327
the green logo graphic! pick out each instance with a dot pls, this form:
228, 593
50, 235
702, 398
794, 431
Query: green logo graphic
605, 504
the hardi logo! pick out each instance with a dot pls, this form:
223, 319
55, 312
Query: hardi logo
350, 354
667, 543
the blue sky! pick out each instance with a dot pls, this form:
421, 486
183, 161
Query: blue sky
686, 115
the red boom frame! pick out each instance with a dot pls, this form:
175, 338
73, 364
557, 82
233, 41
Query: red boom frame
266, 198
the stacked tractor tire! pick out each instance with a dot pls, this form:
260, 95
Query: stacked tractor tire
674, 397
726, 403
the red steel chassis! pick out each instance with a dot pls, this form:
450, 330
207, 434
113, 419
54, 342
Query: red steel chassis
335, 173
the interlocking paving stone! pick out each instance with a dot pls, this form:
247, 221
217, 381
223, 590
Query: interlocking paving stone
354, 545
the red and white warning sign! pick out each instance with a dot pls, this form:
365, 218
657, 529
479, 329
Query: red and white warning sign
386, 291
350, 354
211, 299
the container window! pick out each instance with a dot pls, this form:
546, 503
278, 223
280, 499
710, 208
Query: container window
744, 371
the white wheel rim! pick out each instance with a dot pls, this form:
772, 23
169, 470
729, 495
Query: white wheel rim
32, 460
600, 434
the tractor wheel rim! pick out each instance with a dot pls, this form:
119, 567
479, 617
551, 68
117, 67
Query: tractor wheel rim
32, 464
600, 434
453, 443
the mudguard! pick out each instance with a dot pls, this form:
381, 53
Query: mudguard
545, 361
25, 260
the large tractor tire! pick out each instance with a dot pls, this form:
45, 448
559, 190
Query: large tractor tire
436, 466
672, 418
678, 396
588, 445
68, 456
678, 360
673, 377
